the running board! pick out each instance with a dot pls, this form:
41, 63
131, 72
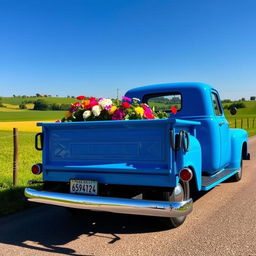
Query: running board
209, 182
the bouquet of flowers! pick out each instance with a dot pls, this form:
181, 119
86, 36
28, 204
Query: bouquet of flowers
97, 109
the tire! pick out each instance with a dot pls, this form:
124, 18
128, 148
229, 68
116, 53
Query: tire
180, 192
239, 174
76, 212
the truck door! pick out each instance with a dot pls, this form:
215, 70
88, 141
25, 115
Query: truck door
223, 130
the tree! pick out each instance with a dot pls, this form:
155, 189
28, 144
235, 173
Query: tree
22, 105
40, 104
226, 101
237, 105
1, 104
253, 98
55, 106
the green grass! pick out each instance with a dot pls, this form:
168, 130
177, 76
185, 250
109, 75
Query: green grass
30, 115
18, 101
11, 198
249, 110
244, 113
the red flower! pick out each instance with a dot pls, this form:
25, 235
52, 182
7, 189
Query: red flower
76, 105
126, 105
80, 97
174, 110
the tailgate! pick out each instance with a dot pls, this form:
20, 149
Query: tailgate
135, 152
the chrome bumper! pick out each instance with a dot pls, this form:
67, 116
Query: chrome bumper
109, 204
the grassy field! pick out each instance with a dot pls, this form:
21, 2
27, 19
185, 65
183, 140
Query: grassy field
243, 114
18, 101
11, 198
29, 115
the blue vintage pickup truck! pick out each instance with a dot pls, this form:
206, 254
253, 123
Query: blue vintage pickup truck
144, 167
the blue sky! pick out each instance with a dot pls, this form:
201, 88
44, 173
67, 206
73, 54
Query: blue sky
93, 47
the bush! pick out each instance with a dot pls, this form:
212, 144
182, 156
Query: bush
1, 104
237, 105
227, 101
55, 106
40, 105
22, 105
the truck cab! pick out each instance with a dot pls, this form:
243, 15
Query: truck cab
221, 146
146, 167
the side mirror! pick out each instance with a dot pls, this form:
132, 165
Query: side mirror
233, 111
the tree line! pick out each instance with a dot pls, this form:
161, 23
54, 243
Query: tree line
41, 104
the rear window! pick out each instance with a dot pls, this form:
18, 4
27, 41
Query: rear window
163, 101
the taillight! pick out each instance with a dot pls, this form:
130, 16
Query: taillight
36, 169
186, 174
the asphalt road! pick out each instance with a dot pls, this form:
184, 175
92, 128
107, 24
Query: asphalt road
223, 222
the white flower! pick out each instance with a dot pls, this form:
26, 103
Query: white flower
96, 110
105, 102
87, 114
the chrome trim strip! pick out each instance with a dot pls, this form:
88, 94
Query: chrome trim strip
110, 204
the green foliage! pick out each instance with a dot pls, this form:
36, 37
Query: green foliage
162, 114
226, 101
41, 105
57, 106
22, 106
237, 105
18, 100
1, 103
12, 198
164, 103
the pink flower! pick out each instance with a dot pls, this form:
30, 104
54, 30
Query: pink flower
108, 107
93, 103
148, 115
126, 99
118, 115
147, 112
76, 105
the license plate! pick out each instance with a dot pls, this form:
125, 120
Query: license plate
89, 187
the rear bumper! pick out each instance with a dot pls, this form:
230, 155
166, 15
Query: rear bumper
109, 204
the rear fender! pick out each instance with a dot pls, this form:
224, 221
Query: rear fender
193, 160
239, 146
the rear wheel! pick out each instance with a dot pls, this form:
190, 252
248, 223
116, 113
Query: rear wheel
180, 193
239, 174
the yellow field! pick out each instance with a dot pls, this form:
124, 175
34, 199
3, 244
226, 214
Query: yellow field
12, 108
25, 126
